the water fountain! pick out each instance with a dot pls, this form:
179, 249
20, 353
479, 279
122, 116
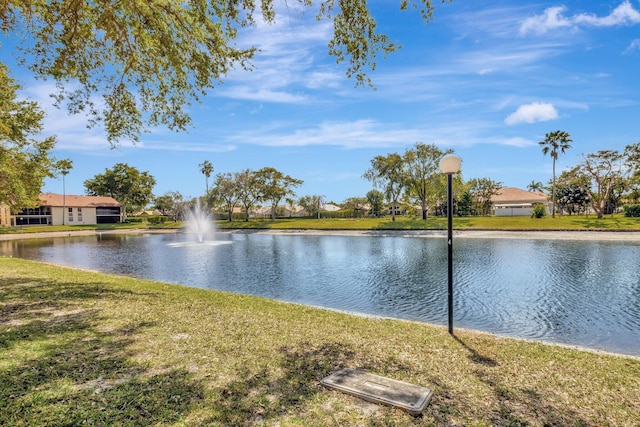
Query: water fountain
199, 222
200, 225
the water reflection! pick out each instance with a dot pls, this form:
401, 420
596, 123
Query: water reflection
574, 292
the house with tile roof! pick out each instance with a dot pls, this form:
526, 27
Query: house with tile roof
511, 201
59, 209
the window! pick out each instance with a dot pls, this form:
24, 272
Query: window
70, 214
107, 211
42, 210
79, 214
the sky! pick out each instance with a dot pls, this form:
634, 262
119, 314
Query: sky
486, 79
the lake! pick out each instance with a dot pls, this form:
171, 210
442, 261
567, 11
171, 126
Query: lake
584, 293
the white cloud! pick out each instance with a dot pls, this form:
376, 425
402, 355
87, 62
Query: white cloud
506, 58
259, 94
486, 71
291, 53
182, 146
371, 133
531, 113
553, 18
323, 79
550, 20
356, 134
624, 14
518, 142
635, 45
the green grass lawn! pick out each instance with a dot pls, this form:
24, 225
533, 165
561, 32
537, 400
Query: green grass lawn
611, 223
566, 222
77, 347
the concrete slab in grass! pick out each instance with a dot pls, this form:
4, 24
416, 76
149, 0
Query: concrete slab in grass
374, 388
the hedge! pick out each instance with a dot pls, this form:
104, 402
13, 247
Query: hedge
632, 211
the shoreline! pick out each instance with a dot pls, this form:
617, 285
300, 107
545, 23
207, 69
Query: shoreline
625, 236
580, 235
79, 233
578, 347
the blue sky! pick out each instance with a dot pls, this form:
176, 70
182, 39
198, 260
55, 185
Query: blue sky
487, 79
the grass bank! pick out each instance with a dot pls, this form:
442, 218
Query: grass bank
30, 229
566, 222
78, 347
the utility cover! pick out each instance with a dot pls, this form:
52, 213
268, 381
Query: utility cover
374, 388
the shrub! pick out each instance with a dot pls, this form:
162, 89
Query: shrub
632, 211
156, 219
538, 211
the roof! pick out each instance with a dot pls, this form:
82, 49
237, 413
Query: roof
70, 200
294, 209
330, 207
516, 195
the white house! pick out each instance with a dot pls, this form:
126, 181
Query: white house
58, 209
511, 201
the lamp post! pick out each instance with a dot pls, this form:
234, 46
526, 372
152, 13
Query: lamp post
450, 165
64, 199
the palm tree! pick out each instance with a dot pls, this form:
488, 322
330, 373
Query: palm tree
535, 186
64, 166
554, 141
207, 169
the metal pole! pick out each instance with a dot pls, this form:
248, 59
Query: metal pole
64, 200
450, 248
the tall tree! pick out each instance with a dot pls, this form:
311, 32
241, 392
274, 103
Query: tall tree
291, 203
465, 204
63, 167
148, 61
376, 201
171, 203
249, 190
388, 174
632, 157
421, 170
25, 161
632, 161
604, 170
356, 205
554, 142
312, 204
482, 189
535, 186
226, 192
164, 204
275, 186
126, 184
573, 192
207, 169
180, 205
438, 194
